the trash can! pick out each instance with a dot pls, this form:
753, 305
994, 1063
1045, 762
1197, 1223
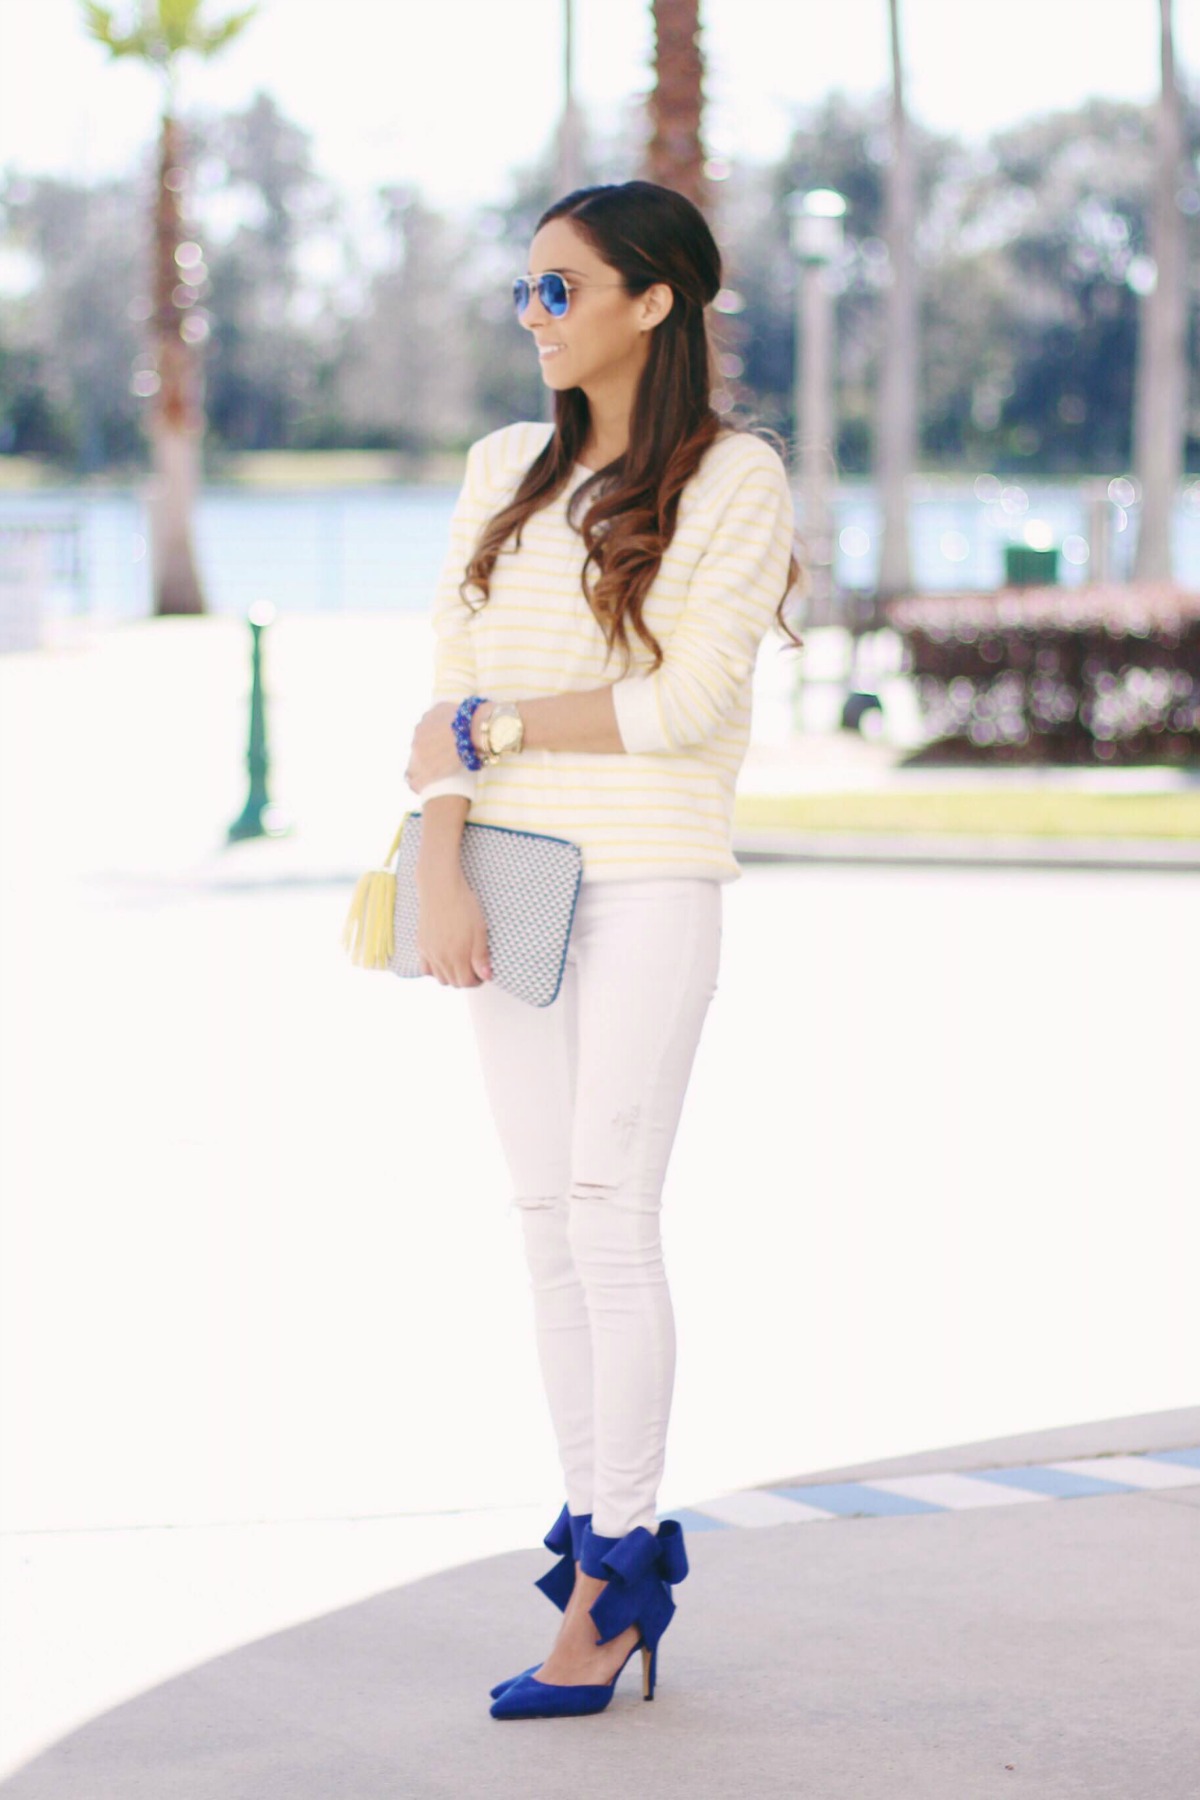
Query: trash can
1026, 567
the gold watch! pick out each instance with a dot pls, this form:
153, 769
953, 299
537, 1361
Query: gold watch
503, 730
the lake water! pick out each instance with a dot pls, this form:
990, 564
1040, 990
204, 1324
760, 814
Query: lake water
378, 549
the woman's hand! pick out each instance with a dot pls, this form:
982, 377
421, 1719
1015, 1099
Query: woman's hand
451, 931
434, 753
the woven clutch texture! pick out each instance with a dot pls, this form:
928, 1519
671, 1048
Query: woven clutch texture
527, 884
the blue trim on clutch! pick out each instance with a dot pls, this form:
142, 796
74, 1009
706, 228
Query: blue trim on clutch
543, 837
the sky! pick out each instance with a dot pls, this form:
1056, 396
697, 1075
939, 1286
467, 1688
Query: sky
452, 94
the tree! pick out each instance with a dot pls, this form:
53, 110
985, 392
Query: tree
570, 124
896, 393
675, 155
167, 29
72, 338
1160, 395
845, 143
404, 377
1029, 330
274, 332
1031, 250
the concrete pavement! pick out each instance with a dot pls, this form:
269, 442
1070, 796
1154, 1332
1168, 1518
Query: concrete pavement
1048, 1649
245, 1439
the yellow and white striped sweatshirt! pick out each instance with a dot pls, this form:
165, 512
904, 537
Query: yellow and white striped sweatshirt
663, 805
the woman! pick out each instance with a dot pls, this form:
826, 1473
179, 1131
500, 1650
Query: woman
638, 516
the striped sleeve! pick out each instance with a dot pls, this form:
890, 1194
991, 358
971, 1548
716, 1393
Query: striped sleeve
454, 673
732, 597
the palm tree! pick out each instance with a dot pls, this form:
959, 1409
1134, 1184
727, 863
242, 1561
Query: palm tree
1161, 382
896, 406
165, 29
675, 154
569, 170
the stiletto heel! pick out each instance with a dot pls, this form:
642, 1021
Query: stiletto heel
649, 1666
639, 1569
564, 1537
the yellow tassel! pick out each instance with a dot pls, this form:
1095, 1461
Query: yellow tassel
369, 931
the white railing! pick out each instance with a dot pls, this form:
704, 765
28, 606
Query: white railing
34, 553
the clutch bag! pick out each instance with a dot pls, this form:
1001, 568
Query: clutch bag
527, 884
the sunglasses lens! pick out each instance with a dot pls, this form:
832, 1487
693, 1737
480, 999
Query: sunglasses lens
552, 292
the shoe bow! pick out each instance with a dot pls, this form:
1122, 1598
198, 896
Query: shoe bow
557, 1582
639, 1569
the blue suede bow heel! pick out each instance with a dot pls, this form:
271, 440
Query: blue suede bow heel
639, 1569
558, 1584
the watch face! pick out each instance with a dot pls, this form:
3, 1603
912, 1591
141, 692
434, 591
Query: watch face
505, 732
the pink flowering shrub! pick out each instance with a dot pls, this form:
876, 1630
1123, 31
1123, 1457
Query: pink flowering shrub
1106, 673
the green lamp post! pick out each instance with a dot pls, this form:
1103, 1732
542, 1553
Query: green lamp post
259, 818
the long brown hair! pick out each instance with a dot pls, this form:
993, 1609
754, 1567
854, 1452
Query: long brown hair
646, 233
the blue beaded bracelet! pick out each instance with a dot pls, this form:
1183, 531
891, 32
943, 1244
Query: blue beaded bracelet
461, 726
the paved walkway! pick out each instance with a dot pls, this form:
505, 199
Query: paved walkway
929, 1653
948, 1490
245, 1556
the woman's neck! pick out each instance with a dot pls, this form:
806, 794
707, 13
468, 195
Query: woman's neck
609, 410
592, 458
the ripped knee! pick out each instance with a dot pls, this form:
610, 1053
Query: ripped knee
592, 1190
533, 1201
619, 1196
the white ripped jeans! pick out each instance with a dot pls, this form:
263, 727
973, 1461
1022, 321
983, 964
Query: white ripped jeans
586, 1095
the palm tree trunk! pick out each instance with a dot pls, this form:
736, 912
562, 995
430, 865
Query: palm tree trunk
570, 172
176, 425
675, 154
896, 404
1161, 389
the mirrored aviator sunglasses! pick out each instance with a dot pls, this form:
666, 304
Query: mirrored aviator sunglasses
552, 291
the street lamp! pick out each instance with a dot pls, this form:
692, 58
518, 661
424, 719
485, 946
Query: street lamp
259, 817
817, 235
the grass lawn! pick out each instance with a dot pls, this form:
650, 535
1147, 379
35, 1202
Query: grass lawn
1013, 812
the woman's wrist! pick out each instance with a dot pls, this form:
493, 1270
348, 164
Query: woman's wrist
479, 719
439, 876
440, 850
439, 862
